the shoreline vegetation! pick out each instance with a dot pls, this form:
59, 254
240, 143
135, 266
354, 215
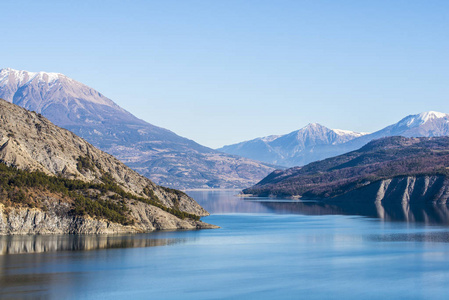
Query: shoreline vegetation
102, 200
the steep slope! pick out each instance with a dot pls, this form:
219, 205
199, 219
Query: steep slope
56, 174
388, 169
157, 153
311, 143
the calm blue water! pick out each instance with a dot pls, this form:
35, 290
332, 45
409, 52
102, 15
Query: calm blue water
264, 250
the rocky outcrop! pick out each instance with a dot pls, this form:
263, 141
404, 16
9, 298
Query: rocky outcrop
407, 189
30, 142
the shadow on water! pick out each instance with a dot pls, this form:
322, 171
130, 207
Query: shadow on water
429, 213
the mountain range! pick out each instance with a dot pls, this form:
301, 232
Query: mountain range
155, 152
316, 142
296, 148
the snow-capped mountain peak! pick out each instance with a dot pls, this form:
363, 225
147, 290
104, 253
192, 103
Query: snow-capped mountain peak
422, 118
20, 77
431, 115
46, 88
425, 124
295, 148
339, 132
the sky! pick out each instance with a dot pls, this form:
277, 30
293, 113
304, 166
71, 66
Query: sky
220, 72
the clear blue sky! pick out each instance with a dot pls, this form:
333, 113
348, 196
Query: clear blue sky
220, 72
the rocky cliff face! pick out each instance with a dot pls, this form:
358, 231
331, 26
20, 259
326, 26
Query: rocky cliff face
30, 142
407, 189
56, 219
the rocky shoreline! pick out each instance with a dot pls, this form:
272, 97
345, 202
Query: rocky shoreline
57, 220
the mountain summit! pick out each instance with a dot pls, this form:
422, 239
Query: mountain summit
296, 148
155, 152
64, 100
425, 124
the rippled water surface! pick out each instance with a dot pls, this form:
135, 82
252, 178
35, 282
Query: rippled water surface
264, 250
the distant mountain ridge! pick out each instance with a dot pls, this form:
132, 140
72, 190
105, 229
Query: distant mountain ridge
392, 169
155, 152
296, 148
306, 145
425, 124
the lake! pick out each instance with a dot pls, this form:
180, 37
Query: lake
265, 249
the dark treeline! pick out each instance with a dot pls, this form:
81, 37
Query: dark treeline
19, 187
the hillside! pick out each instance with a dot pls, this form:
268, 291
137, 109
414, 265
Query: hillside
157, 153
53, 181
393, 167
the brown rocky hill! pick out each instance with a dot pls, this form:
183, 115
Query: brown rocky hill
51, 168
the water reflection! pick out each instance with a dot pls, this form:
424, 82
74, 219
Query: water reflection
220, 202
226, 201
423, 237
50, 243
223, 202
429, 213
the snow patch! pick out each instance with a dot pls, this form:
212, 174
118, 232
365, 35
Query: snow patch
20, 77
270, 138
430, 115
422, 118
349, 132
45, 81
